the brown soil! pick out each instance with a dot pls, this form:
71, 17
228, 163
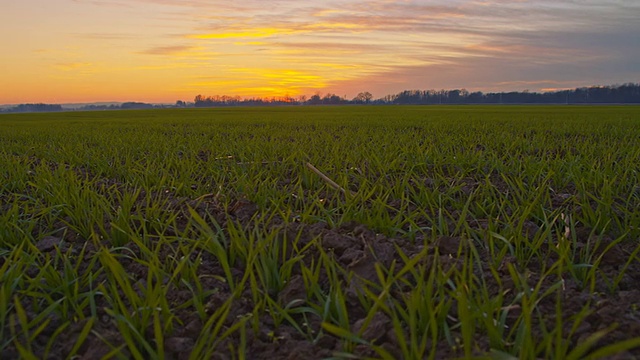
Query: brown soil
357, 249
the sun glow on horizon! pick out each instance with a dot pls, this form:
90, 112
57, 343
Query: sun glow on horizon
163, 51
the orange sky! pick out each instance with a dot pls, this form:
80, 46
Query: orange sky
63, 51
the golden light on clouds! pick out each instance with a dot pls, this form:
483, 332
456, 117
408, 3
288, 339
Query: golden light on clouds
72, 66
255, 33
162, 51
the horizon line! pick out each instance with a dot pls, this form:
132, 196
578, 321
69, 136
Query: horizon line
318, 92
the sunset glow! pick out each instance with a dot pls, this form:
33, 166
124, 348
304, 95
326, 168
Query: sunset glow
62, 51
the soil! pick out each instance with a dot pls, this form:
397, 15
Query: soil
357, 249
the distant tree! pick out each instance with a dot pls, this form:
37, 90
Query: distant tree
315, 99
135, 105
333, 99
36, 107
363, 98
623, 94
627, 93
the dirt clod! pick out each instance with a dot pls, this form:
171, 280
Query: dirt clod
375, 330
179, 344
48, 243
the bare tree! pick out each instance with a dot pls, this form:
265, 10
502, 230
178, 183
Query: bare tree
363, 98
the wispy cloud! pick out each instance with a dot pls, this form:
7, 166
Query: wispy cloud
169, 50
73, 66
257, 48
107, 36
252, 33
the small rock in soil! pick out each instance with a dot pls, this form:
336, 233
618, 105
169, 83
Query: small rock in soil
179, 344
448, 245
629, 296
215, 301
384, 252
530, 229
351, 256
48, 243
363, 231
337, 242
364, 267
326, 342
293, 290
244, 209
97, 349
376, 329
194, 327
613, 256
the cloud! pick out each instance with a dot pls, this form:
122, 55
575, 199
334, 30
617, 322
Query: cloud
107, 36
348, 46
409, 44
169, 50
111, 3
238, 34
72, 66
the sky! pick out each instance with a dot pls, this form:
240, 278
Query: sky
161, 51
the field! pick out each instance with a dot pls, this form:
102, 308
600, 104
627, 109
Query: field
489, 232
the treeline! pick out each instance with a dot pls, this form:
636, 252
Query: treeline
620, 94
34, 107
123, 106
317, 99
91, 107
615, 94
225, 100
